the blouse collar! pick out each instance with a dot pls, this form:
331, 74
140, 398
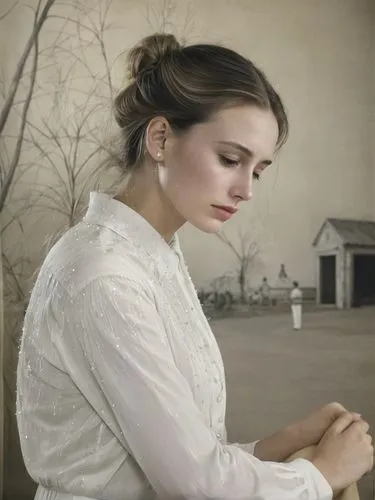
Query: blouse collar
107, 212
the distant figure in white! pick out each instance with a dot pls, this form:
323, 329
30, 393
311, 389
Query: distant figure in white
296, 305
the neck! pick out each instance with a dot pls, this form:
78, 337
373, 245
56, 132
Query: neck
144, 195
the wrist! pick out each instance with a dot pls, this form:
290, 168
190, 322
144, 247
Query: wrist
279, 446
297, 437
305, 433
324, 468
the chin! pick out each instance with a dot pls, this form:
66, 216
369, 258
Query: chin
209, 226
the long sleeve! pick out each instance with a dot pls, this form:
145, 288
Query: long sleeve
126, 346
248, 447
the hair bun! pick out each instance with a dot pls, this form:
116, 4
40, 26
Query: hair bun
149, 52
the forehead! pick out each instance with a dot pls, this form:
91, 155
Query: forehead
250, 126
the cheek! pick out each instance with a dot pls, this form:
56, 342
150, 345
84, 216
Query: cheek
194, 168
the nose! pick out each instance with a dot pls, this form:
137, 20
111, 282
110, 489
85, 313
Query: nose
247, 195
243, 189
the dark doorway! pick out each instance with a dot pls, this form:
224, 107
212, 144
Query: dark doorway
328, 279
364, 279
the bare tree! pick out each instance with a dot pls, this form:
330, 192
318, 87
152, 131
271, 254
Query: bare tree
246, 250
40, 17
70, 145
68, 152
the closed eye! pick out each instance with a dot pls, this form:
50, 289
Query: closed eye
231, 162
228, 162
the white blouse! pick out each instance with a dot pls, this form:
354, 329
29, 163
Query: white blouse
121, 388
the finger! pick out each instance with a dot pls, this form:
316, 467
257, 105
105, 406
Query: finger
368, 439
333, 410
341, 423
371, 464
361, 425
335, 407
365, 425
359, 429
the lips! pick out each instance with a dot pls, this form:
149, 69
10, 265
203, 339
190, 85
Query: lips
223, 213
231, 210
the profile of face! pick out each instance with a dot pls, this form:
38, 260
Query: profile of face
207, 171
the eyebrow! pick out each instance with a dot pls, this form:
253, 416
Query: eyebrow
244, 150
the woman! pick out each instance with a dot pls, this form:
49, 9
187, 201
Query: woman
121, 390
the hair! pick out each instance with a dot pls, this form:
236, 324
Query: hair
186, 85
295, 284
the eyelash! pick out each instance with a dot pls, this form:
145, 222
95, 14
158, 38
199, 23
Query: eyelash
229, 163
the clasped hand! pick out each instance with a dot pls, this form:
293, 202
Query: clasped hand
343, 452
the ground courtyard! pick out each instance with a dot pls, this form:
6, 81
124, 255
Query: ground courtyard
276, 375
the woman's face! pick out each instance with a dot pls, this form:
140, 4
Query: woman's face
215, 163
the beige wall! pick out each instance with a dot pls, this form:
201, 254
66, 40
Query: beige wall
320, 56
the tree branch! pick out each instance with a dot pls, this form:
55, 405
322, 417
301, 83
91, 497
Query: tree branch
224, 238
12, 168
3, 16
22, 62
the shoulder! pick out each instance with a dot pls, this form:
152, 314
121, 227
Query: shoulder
88, 253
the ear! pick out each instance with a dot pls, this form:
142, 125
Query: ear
157, 132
